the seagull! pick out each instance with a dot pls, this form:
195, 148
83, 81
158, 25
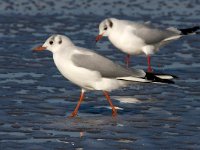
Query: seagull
135, 38
91, 71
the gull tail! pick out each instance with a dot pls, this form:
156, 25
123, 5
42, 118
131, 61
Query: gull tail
151, 77
160, 78
193, 30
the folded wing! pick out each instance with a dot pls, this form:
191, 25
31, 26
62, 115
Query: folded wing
104, 66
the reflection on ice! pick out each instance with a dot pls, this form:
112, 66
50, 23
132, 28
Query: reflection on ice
108, 107
126, 99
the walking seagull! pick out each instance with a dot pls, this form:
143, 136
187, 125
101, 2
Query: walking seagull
135, 38
91, 71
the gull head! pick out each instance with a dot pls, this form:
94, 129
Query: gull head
104, 28
55, 43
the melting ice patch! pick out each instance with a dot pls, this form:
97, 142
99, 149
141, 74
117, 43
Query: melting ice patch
20, 75
178, 65
22, 81
108, 107
45, 88
127, 99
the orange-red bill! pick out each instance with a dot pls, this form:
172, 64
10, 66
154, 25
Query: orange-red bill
39, 48
99, 37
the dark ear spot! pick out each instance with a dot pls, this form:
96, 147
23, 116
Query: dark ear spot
60, 41
110, 23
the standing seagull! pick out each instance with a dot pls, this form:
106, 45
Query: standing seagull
135, 38
92, 71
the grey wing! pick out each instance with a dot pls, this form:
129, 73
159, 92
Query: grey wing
104, 66
153, 35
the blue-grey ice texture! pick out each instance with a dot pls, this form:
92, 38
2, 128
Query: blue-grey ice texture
35, 99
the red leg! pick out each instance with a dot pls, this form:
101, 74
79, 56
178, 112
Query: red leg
75, 112
127, 60
114, 111
149, 64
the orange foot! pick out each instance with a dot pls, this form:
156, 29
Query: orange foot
73, 114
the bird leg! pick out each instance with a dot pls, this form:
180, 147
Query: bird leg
114, 111
75, 112
149, 64
127, 60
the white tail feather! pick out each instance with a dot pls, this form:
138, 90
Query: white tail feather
169, 77
133, 79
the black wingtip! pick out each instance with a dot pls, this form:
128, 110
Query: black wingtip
197, 32
187, 31
152, 77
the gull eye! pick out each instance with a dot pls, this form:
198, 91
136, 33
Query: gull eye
60, 42
105, 28
51, 42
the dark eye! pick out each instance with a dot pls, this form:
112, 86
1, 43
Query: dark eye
105, 28
60, 42
51, 42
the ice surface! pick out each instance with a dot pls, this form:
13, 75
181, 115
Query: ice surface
35, 99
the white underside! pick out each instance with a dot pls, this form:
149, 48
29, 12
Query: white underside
133, 45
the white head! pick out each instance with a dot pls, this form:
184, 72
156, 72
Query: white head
55, 43
105, 27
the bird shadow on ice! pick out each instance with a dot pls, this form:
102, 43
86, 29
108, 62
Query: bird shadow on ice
101, 115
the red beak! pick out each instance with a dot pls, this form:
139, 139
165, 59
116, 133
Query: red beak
99, 37
39, 48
